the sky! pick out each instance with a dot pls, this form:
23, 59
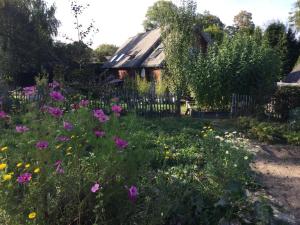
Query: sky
117, 20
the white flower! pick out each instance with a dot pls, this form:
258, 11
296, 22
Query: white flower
246, 157
227, 152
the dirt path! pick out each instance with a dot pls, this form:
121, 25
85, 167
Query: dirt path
278, 169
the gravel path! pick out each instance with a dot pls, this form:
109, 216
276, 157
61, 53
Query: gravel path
278, 169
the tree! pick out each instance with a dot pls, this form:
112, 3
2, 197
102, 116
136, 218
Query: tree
295, 16
103, 51
293, 47
243, 22
158, 14
26, 30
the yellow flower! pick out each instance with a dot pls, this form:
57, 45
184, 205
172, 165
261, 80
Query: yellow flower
27, 165
73, 136
7, 177
19, 164
3, 166
58, 146
32, 215
69, 149
3, 149
205, 135
37, 170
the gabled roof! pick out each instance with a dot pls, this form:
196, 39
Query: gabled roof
135, 51
156, 58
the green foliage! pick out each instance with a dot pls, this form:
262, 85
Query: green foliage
239, 65
143, 86
103, 51
159, 14
270, 132
295, 16
243, 22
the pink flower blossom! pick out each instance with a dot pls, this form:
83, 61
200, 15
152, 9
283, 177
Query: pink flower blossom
63, 138
100, 115
29, 91
57, 96
59, 168
133, 193
56, 112
24, 178
41, 145
3, 115
84, 103
121, 144
68, 126
117, 109
95, 187
54, 84
21, 129
99, 133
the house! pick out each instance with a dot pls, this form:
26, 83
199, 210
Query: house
143, 54
292, 79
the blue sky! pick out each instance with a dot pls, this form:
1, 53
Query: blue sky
118, 20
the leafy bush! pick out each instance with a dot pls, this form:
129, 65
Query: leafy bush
76, 168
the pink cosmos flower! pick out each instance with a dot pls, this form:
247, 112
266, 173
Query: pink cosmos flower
99, 133
84, 103
117, 109
95, 187
121, 144
21, 129
41, 145
59, 168
3, 115
100, 115
24, 178
56, 112
29, 91
63, 138
133, 193
57, 96
68, 126
54, 84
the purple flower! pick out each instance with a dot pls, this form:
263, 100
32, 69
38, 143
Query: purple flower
121, 144
3, 115
24, 178
84, 103
117, 109
68, 126
21, 129
95, 187
56, 112
59, 168
41, 145
29, 91
99, 133
133, 193
54, 84
57, 96
100, 115
63, 138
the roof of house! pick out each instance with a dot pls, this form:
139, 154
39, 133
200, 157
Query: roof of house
135, 51
294, 76
143, 50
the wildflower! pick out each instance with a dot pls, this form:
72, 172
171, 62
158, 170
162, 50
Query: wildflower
95, 187
3, 166
21, 129
121, 144
69, 148
58, 146
57, 96
73, 136
37, 170
99, 133
132, 193
100, 115
59, 168
235, 165
227, 152
54, 85
19, 165
62, 139
56, 112
24, 178
3, 115
7, 177
68, 126
3, 149
205, 135
246, 157
32, 215
84, 103
42, 145
117, 109
27, 165
29, 91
